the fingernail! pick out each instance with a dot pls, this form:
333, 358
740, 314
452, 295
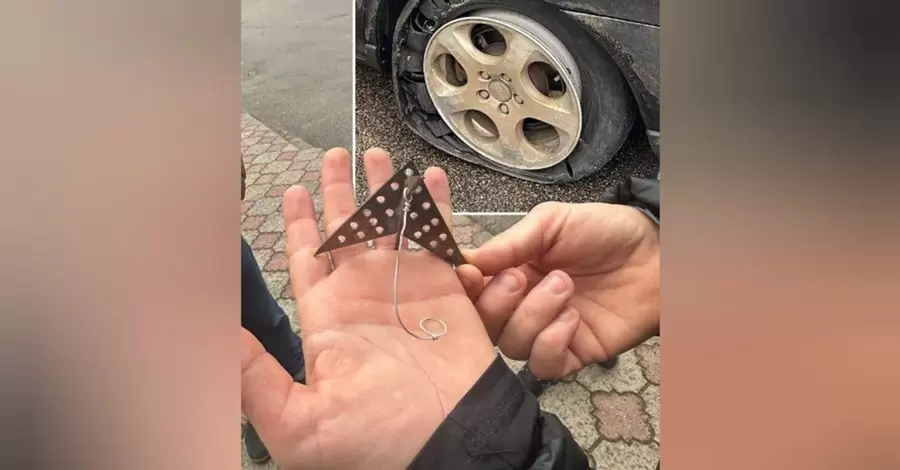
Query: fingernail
555, 284
509, 282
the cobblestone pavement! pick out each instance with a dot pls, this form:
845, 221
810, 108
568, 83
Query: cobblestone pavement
614, 415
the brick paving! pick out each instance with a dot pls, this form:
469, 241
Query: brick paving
614, 415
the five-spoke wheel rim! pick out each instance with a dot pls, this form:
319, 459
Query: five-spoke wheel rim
507, 87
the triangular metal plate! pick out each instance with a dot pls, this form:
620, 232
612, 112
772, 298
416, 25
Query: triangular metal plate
380, 216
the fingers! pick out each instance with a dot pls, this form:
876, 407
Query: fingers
439, 186
303, 240
525, 241
266, 388
539, 308
472, 280
550, 356
499, 300
378, 171
338, 198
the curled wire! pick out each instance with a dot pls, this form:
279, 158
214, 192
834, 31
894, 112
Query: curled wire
429, 334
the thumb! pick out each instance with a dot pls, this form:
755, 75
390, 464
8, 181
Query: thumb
525, 241
266, 388
550, 356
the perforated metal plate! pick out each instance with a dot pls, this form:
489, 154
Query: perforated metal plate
381, 215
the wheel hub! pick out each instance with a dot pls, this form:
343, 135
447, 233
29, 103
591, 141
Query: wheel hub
499, 91
519, 103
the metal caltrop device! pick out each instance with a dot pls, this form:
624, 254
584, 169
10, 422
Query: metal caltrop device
402, 206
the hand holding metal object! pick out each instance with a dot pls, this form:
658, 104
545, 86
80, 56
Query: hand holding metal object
402, 206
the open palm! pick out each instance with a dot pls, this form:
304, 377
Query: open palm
374, 394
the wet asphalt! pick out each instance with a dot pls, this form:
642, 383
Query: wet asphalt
477, 189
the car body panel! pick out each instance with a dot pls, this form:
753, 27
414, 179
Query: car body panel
627, 29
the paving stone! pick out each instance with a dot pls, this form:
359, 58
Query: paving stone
310, 176
288, 177
265, 157
253, 222
312, 187
255, 150
298, 165
251, 178
268, 139
623, 456
464, 234
276, 167
277, 147
250, 236
625, 377
621, 416
461, 221
651, 400
648, 359
277, 191
273, 223
571, 403
264, 179
289, 157
310, 154
278, 262
255, 168
276, 280
245, 206
265, 241
248, 140
265, 206
262, 256
281, 244
255, 191
315, 164
287, 292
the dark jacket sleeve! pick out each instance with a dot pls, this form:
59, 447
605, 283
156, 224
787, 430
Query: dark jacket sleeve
638, 192
498, 425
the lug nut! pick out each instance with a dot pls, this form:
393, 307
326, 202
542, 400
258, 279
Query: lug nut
504, 109
517, 99
484, 75
483, 94
505, 77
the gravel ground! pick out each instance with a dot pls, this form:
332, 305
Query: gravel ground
476, 189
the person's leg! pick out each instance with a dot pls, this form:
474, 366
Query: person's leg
265, 319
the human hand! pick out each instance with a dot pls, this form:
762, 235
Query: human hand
374, 394
591, 274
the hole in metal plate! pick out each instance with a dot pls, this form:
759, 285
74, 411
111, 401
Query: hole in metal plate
413, 215
395, 185
426, 228
360, 234
389, 212
379, 230
435, 221
367, 212
443, 237
380, 199
373, 221
450, 251
341, 239
426, 205
354, 225
417, 235
432, 244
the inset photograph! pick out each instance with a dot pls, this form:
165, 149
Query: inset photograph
520, 102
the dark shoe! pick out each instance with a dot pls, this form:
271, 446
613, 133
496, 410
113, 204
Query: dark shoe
533, 384
256, 450
610, 363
